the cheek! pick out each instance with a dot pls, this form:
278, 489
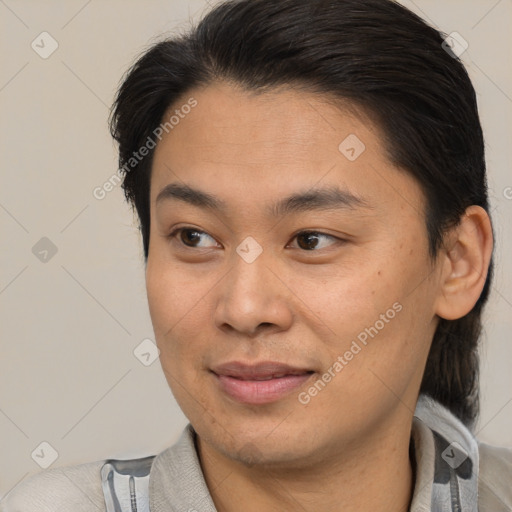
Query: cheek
178, 305
350, 297
162, 295
172, 293
382, 301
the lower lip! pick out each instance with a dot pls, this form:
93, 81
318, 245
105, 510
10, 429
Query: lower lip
261, 391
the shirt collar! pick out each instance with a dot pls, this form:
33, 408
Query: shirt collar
445, 459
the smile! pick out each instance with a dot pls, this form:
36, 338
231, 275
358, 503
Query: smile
258, 384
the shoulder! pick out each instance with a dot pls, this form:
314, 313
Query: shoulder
495, 477
72, 488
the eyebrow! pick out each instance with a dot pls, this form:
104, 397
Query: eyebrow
327, 198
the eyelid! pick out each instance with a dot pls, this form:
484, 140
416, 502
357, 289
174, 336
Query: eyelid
337, 240
177, 230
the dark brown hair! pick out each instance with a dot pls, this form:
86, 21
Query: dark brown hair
374, 54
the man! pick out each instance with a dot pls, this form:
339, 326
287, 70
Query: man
310, 182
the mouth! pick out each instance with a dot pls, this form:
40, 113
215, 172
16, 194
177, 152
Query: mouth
259, 383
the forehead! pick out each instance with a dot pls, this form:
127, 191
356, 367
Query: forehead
252, 147
279, 120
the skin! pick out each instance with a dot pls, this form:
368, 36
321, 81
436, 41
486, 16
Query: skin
348, 447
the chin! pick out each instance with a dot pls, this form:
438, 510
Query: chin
259, 440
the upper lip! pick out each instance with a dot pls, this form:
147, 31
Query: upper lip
261, 370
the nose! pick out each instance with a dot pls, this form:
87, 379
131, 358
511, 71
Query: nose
253, 297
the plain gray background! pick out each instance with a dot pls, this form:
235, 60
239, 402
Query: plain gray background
70, 324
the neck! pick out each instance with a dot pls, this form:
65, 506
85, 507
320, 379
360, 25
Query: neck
376, 474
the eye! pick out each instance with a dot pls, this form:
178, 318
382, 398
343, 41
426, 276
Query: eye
191, 237
306, 240
309, 240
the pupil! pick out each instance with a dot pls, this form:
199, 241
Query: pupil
190, 239
308, 237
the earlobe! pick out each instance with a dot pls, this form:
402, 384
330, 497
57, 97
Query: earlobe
466, 258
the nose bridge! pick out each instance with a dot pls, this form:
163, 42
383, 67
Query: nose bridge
249, 267
250, 294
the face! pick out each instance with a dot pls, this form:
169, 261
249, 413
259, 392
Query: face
290, 286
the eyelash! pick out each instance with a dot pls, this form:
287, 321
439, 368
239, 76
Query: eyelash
174, 234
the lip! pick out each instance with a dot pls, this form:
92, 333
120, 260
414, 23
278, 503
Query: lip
260, 383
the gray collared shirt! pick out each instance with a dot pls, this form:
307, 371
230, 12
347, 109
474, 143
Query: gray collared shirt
453, 472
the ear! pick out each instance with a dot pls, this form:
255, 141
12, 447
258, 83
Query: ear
464, 262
